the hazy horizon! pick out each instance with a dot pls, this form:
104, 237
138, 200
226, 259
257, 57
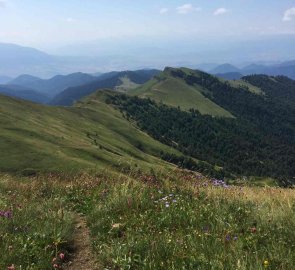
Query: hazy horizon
123, 34
83, 27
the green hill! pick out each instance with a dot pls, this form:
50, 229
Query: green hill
175, 92
258, 141
90, 135
120, 81
23, 93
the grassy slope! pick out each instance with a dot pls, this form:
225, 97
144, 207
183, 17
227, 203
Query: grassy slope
241, 83
175, 92
90, 135
174, 221
126, 84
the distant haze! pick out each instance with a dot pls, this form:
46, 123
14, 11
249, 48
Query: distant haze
103, 35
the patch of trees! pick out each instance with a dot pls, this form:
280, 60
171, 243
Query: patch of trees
273, 115
185, 162
240, 146
280, 88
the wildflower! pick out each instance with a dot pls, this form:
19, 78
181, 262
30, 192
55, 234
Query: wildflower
227, 238
253, 230
235, 238
54, 260
12, 267
266, 263
116, 225
55, 266
6, 214
62, 255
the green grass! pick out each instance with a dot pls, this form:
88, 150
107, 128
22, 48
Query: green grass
138, 221
241, 83
193, 228
41, 227
175, 92
126, 84
89, 136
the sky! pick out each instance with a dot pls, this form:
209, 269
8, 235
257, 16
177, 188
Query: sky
58, 26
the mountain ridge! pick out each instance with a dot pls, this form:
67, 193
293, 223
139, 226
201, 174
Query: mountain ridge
108, 80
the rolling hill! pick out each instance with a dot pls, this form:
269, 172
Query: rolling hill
279, 88
23, 93
54, 85
88, 136
174, 91
225, 68
121, 81
259, 141
196, 120
283, 69
24, 80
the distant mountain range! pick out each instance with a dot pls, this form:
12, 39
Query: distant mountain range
23, 93
227, 70
184, 116
55, 85
16, 60
229, 75
121, 81
66, 89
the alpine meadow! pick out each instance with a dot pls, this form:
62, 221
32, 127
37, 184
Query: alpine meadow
147, 135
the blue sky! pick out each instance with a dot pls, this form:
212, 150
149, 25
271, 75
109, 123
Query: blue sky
51, 24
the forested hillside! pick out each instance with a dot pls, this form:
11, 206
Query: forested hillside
259, 141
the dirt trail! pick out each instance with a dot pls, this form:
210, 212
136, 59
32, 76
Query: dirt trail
82, 258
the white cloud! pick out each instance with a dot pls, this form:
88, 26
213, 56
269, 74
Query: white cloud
187, 8
289, 14
163, 10
220, 11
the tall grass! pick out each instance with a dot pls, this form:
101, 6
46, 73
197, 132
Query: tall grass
176, 221
39, 228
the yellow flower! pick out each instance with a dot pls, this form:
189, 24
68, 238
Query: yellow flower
266, 263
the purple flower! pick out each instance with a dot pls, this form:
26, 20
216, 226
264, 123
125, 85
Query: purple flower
227, 238
219, 183
6, 214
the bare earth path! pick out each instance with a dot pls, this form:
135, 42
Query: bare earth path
83, 258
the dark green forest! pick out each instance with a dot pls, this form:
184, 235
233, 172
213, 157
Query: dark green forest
273, 116
258, 142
